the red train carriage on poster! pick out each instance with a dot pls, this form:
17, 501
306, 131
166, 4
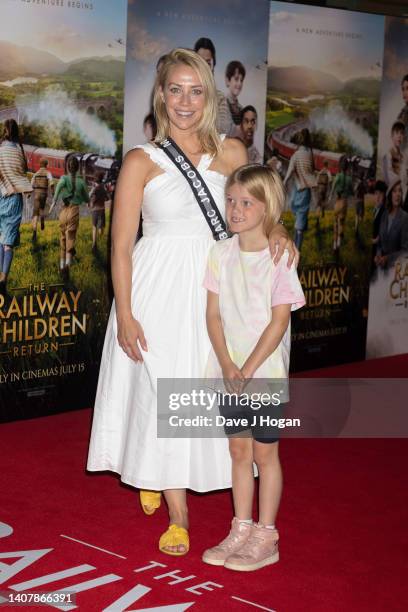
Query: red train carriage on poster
280, 140
91, 164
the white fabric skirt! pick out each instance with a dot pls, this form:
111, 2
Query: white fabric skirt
169, 301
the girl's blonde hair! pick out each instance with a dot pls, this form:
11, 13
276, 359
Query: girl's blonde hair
265, 185
207, 131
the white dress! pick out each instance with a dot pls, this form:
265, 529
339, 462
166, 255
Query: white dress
168, 299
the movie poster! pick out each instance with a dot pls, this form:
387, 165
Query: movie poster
234, 38
62, 69
324, 78
387, 332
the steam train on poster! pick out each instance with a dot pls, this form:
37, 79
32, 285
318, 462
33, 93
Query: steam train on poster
279, 140
91, 164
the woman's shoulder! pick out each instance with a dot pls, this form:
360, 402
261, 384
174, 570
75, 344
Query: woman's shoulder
141, 156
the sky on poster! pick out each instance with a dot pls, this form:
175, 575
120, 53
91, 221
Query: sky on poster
238, 29
69, 33
319, 38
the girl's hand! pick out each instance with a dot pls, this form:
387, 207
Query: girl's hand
233, 378
130, 336
279, 241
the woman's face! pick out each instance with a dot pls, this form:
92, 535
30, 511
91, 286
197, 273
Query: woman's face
207, 56
396, 196
184, 97
404, 90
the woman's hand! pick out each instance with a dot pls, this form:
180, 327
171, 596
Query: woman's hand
130, 336
279, 241
233, 377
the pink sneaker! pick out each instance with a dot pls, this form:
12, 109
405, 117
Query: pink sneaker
232, 543
260, 549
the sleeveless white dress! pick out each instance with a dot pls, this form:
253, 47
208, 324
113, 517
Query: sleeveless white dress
168, 299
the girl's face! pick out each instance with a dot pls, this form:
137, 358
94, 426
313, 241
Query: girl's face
398, 138
235, 83
244, 212
396, 196
207, 56
404, 90
184, 97
378, 197
148, 130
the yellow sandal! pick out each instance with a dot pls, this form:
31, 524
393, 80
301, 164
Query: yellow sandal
175, 536
151, 499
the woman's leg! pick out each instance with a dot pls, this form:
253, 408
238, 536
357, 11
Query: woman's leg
266, 457
178, 512
242, 476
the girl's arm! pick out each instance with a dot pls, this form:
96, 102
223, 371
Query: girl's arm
291, 169
85, 192
269, 340
60, 186
230, 371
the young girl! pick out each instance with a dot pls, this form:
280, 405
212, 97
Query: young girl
248, 318
13, 184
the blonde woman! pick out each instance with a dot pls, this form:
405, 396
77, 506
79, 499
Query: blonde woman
157, 326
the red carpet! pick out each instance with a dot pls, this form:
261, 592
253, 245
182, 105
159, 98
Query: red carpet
343, 524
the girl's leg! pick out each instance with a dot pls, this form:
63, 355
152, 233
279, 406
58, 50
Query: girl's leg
71, 232
2, 276
298, 239
243, 494
93, 236
261, 547
242, 476
63, 238
266, 457
178, 512
7, 259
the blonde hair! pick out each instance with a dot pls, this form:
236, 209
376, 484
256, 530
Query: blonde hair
265, 185
207, 130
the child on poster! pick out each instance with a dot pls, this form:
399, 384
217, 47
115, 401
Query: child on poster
393, 160
403, 115
97, 200
248, 318
234, 80
42, 184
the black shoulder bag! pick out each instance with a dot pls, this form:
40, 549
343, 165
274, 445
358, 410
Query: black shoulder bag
200, 190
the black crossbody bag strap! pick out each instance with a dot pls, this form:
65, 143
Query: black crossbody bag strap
200, 190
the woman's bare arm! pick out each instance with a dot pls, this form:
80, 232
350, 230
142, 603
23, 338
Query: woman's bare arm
125, 223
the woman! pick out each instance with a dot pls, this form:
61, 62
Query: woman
157, 326
13, 183
302, 166
393, 234
73, 191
